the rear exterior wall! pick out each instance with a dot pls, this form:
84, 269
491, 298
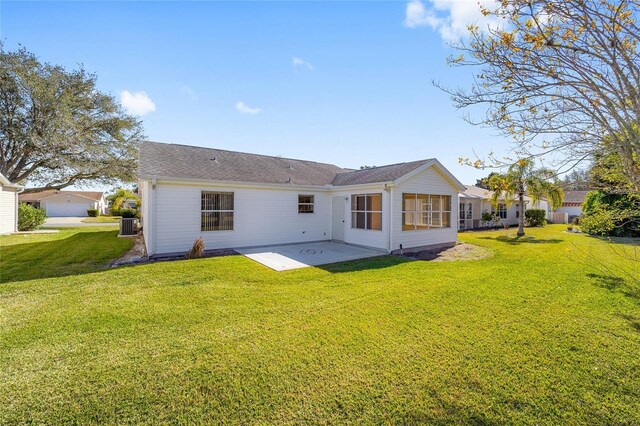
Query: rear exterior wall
261, 217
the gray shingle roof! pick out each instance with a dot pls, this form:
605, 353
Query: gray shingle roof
481, 193
37, 196
191, 162
575, 196
377, 174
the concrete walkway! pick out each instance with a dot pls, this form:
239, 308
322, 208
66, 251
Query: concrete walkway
293, 256
64, 222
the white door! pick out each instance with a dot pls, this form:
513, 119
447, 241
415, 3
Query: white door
337, 218
67, 209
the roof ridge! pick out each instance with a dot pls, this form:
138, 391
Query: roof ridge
387, 165
242, 152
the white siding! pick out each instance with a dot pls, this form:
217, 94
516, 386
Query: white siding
8, 205
430, 181
261, 217
572, 211
366, 237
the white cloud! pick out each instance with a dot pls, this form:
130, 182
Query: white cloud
189, 92
246, 109
449, 17
299, 62
138, 103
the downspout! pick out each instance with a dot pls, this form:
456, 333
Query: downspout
389, 189
153, 214
17, 216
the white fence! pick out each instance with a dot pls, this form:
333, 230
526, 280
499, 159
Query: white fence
559, 217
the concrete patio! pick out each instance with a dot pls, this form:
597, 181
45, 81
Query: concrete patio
294, 256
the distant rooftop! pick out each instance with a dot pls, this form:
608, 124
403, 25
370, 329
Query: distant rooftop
37, 196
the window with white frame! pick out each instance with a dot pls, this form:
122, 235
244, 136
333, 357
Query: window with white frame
216, 211
500, 211
305, 203
425, 211
366, 211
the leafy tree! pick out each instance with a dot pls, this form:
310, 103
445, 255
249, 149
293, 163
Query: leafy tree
523, 178
609, 174
576, 180
57, 129
614, 207
484, 182
118, 198
558, 76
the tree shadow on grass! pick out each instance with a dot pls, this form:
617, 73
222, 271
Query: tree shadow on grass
633, 321
522, 240
378, 262
616, 284
627, 241
80, 253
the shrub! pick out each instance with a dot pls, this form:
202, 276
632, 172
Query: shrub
488, 217
93, 212
29, 218
114, 211
128, 213
197, 251
599, 222
611, 214
535, 217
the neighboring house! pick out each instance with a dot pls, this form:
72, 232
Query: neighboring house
475, 200
58, 203
8, 205
130, 203
572, 204
233, 199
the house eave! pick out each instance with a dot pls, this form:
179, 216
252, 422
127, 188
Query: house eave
212, 182
229, 183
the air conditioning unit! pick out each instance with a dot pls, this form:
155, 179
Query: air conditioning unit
128, 226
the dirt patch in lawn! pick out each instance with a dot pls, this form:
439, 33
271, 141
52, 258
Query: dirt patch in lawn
137, 253
461, 251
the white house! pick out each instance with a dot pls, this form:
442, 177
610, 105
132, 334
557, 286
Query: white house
475, 200
235, 200
8, 205
58, 203
572, 204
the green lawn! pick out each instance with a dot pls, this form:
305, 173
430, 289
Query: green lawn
545, 331
102, 219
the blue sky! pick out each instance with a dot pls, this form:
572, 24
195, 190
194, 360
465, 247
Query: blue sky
347, 83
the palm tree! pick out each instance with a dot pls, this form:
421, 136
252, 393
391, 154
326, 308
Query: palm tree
523, 178
120, 196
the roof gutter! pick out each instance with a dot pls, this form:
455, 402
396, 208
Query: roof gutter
211, 182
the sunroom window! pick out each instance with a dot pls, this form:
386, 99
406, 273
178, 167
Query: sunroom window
366, 211
425, 211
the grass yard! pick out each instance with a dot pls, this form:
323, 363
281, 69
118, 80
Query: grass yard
544, 331
102, 219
